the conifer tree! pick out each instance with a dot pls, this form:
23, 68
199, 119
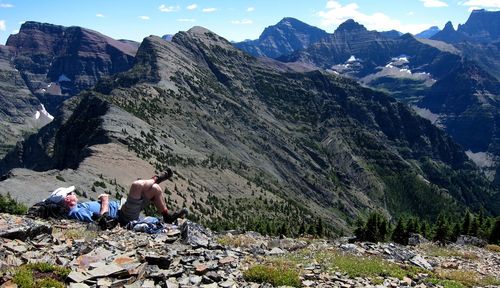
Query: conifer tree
495, 233
442, 232
467, 222
320, 230
400, 235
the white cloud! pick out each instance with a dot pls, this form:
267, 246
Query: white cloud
99, 15
250, 9
6, 5
335, 14
14, 31
144, 17
411, 13
164, 8
2, 25
192, 7
481, 3
434, 3
242, 22
209, 10
186, 20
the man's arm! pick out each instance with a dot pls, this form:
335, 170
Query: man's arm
104, 199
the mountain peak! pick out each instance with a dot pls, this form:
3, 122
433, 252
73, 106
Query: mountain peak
448, 27
350, 25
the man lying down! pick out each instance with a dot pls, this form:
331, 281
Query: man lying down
142, 193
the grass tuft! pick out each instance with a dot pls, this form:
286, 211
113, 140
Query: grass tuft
40, 275
467, 278
236, 241
494, 248
277, 273
437, 251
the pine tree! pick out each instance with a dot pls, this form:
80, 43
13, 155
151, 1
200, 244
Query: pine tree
442, 233
495, 233
400, 235
466, 224
320, 230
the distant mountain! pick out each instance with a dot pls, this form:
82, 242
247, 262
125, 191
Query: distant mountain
392, 34
354, 51
286, 36
252, 140
449, 34
426, 34
56, 60
482, 27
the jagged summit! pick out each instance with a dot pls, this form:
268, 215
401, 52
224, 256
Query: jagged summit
448, 27
350, 26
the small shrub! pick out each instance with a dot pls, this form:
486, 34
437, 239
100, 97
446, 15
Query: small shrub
277, 274
60, 178
494, 248
446, 283
11, 206
47, 275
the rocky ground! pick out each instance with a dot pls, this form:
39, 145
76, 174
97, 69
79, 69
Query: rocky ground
192, 256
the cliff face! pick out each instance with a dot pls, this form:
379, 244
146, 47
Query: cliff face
259, 136
17, 105
57, 61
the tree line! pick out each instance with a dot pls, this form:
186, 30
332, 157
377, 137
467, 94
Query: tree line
376, 228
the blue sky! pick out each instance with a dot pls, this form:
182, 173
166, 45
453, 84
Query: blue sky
234, 20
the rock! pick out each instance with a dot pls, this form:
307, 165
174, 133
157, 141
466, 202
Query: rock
471, 240
420, 262
449, 265
201, 269
276, 251
308, 283
416, 239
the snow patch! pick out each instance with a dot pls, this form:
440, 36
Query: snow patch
42, 117
351, 59
482, 159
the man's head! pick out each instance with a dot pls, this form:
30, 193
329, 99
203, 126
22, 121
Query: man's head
59, 194
167, 174
70, 200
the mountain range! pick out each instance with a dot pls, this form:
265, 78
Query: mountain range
252, 140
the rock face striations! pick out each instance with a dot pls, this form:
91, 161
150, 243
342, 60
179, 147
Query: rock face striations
56, 60
283, 38
17, 105
267, 141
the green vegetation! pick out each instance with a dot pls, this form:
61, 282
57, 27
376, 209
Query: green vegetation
445, 229
11, 206
41, 275
493, 247
277, 273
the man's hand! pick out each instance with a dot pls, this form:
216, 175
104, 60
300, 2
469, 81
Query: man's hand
103, 197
